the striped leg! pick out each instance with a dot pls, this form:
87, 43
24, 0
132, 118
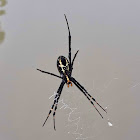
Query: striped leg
55, 100
50, 110
73, 60
49, 73
89, 97
59, 93
69, 55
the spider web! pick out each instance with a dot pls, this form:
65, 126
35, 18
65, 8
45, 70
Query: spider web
76, 124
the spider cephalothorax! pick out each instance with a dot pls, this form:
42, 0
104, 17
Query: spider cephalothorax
65, 68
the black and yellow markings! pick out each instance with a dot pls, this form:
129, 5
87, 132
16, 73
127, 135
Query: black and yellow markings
63, 64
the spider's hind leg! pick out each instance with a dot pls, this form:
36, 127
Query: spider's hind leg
69, 55
73, 60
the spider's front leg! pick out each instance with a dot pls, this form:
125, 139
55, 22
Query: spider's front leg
59, 93
69, 55
51, 109
55, 102
89, 97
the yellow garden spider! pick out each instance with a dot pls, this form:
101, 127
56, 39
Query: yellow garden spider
65, 68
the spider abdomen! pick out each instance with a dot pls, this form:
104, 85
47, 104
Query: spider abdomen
63, 65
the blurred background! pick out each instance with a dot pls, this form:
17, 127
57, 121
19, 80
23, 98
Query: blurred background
34, 33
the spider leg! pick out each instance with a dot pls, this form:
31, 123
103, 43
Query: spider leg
50, 109
55, 101
86, 94
69, 40
54, 113
74, 59
97, 102
90, 96
59, 93
49, 73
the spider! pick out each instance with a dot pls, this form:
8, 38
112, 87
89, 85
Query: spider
65, 68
